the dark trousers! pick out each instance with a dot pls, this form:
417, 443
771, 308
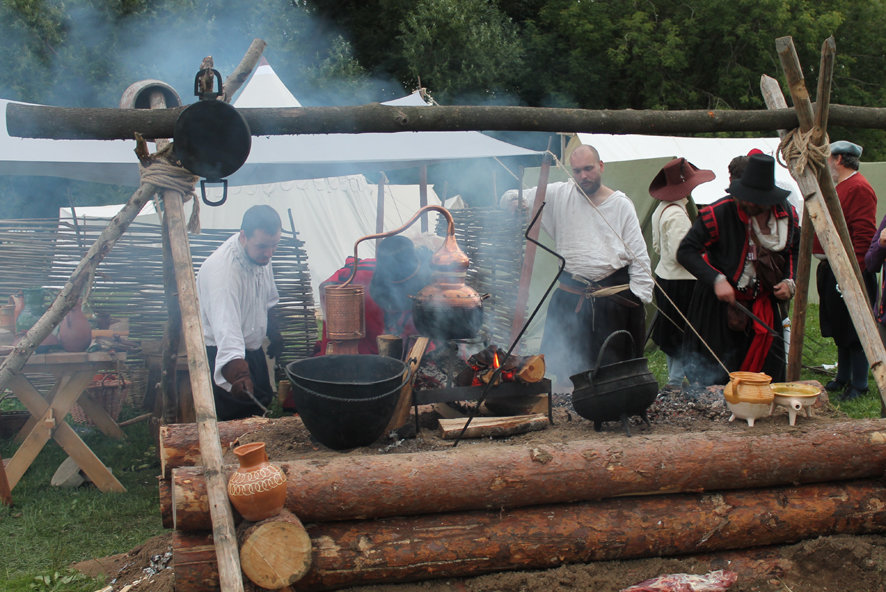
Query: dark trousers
228, 406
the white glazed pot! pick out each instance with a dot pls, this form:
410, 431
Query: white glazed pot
795, 397
749, 411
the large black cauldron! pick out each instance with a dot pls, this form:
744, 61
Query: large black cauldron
615, 391
346, 401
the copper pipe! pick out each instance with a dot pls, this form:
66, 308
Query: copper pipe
450, 232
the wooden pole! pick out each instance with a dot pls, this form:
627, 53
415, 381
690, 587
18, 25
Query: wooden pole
804, 262
349, 487
380, 206
78, 123
423, 195
840, 261
220, 511
529, 251
472, 543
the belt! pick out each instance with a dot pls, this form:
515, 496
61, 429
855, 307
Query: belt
592, 289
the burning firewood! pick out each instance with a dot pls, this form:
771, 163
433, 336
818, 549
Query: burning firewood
482, 366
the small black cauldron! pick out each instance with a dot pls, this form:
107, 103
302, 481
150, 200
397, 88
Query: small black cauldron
615, 391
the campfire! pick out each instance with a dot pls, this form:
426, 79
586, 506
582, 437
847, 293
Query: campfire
481, 368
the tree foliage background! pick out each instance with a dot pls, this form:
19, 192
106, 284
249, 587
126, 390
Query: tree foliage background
596, 54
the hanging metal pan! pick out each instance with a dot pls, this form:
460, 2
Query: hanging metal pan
212, 139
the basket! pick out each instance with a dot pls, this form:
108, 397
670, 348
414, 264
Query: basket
108, 389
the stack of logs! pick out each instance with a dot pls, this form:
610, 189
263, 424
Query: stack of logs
473, 510
480, 368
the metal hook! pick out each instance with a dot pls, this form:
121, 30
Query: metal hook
224, 197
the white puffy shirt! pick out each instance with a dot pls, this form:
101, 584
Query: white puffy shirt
235, 295
595, 241
669, 226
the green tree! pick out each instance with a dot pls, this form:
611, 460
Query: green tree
461, 48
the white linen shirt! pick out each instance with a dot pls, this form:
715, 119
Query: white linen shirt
595, 241
235, 295
669, 226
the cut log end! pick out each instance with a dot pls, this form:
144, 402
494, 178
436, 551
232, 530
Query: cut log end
274, 552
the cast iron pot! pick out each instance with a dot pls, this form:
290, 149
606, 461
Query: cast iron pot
346, 401
615, 391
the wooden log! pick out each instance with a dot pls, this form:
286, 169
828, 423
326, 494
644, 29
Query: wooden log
343, 488
472, 543
532, 369
85, 123
179, 442
274, 552
404, 403
492, 427
5, 490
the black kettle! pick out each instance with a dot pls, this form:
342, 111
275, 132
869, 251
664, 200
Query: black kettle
211, 138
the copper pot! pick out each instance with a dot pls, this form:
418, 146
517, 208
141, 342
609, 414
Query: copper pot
448, 308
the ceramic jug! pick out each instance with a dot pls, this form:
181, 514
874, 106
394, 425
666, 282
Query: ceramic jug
75, 332
257, 489
749, 387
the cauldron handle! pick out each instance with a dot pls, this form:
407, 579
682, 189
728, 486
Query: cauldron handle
603, 348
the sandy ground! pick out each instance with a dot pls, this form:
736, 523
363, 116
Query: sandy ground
832, 563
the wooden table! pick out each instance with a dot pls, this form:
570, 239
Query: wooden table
72, 372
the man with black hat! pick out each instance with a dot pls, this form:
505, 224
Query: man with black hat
742, 248
671, 220
859, 204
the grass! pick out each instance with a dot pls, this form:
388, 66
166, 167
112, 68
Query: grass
49, 528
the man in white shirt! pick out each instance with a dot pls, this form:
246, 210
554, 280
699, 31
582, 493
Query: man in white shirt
236, 289
607, 277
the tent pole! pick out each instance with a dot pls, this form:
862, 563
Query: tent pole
423, 195
380, 205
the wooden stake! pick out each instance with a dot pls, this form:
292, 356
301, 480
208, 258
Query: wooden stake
201, 389
839, 259
404, 403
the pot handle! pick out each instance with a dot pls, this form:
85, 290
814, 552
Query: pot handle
310, 391
603, 348
207, 95
224, 196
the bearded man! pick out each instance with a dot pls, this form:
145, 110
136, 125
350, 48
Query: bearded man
236, 289
597, 232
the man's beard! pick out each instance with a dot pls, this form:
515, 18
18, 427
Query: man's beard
591, 187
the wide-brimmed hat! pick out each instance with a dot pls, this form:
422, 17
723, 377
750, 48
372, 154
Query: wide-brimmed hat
677, 179
757, 182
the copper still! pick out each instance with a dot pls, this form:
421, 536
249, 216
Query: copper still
447, 308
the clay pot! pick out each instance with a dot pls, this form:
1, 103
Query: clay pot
795, 397
258, 489
748, 387
75, 332
749, 396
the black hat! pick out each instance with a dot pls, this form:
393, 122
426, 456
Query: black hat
757, 182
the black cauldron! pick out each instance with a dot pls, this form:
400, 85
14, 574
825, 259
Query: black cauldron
346, 401
615, 391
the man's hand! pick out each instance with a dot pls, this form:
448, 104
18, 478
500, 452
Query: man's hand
724, 291
237, 373
782, 290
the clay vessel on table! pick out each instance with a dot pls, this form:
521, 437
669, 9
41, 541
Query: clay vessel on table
257, 489
748, 395
75, 332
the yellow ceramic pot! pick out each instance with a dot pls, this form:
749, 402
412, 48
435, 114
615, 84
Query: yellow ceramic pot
749, 387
